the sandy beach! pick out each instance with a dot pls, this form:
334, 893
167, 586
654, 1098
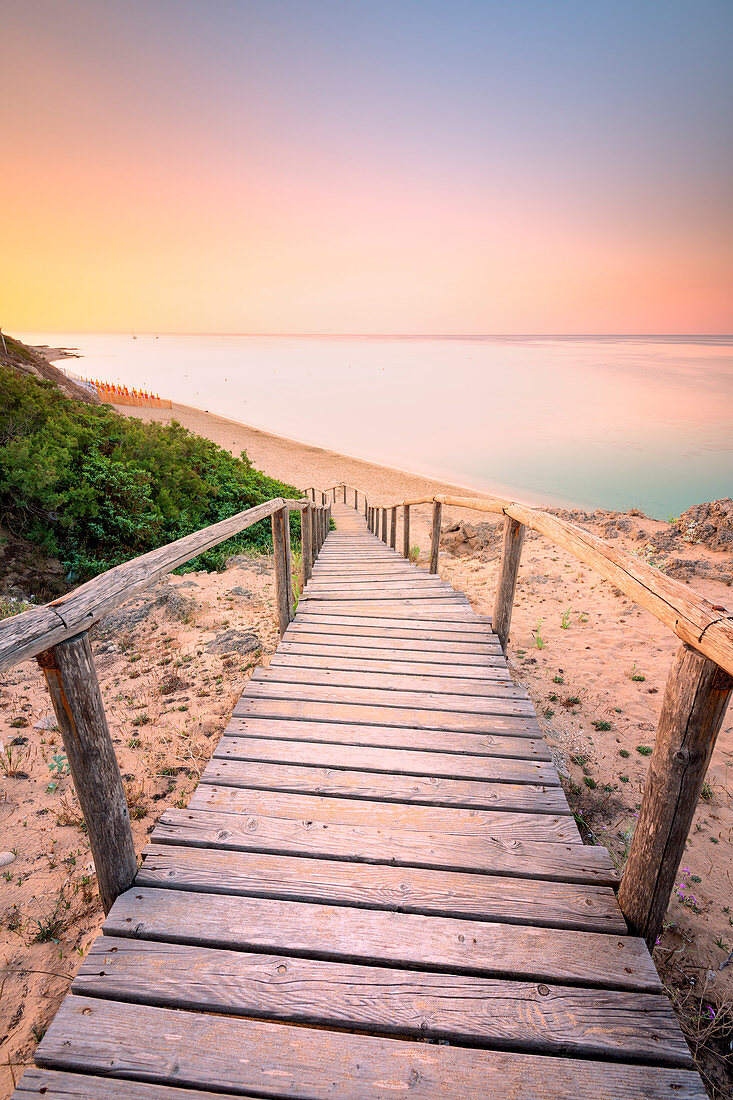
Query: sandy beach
173, 663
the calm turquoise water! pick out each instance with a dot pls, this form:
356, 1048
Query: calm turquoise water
610, 422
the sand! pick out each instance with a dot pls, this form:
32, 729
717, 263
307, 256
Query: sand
171, 672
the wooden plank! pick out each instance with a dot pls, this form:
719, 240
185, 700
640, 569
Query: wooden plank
383, 594
443, 608
203, 1051
366, 935
389, 681
267, 686
439, 720
488, 824
540, 903
393, 762
426, 1005
452, 628
366, 638
556, 862
365, 660
352, 783
514, 745
58, 1085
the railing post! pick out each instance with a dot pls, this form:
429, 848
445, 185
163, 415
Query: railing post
384, 525
369, 519
77, 702
306, 545
511, 552
366, 505
314, 534
393, 528
406, 531
693, 709
435, 537
289, 564
344, 494
356, 500
283, 580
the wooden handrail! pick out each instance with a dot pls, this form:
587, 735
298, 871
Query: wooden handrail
33, 631
57, 634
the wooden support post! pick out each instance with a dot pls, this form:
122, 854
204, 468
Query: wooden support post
314, 534
306, 546
289, 564
384, 525
344, 494
511, 552
283, 581
366, 506
435, 537
356, 500
406, 531
693, 709
370, 519
77, 702
393, 528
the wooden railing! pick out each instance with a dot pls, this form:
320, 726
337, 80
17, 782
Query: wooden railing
696, 695
57, 635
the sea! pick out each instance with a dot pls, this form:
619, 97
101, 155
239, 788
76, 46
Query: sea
582, 421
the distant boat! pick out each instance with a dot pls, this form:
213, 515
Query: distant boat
133, 334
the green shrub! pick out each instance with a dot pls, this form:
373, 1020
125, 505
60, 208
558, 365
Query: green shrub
94, 488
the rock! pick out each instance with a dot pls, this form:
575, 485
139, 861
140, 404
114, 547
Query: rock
710, 524
48, 722
240, 591
464, 539
235, 641
19, 722
6, 858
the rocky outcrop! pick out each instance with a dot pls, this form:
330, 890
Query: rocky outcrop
462, 539
709, 524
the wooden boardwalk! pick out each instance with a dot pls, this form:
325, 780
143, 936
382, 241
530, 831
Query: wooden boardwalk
378, 889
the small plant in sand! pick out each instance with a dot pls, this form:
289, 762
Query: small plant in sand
566, 617
414, 553
644, 750
12, 759
601, 725
537, 637
50, 925
636, 674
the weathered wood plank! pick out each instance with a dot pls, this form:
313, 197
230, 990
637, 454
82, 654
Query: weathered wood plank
59, 1085
490, 824
396, 642
268, 686
392, 762
417, 1004
443, 721
427, 683
417, 663
539, 903
352, 783
366, 935
204, 1051
401, 847
391, 737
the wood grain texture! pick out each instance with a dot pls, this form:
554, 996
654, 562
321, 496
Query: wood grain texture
330, 731
391, 761
511, 552
556, 862
203, 1051
420, 1004
72, 683
473, 896
58, 1085
427, 684
339, 932
694, 705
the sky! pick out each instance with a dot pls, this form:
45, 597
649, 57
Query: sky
367, 166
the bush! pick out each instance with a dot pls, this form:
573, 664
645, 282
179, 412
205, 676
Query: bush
94, 488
